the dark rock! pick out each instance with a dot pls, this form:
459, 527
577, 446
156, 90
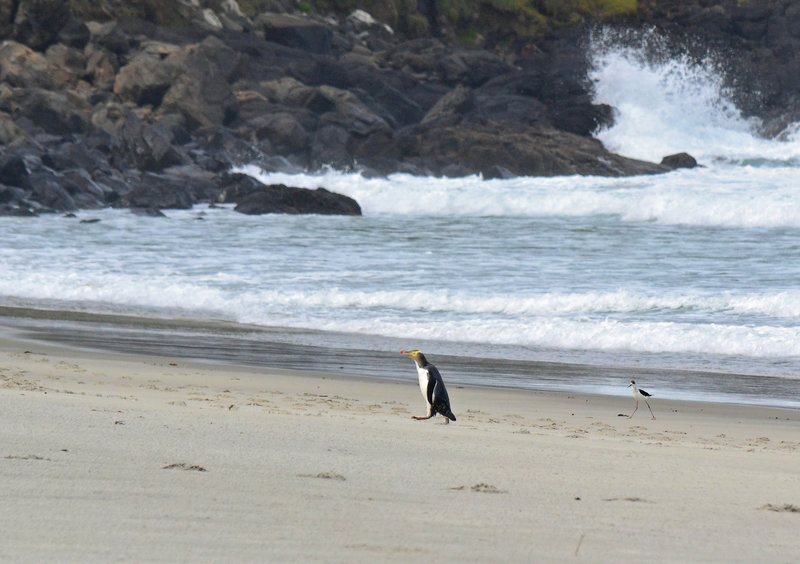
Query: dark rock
37, 23
253, 197
277, 198
330, 147
10, 133
147, 77
23, 67
525, 151
202, 185
81, 153
10, 194
451, 107
113, 186
295, 31
101, 70
112, 37
47, 189
201, 92
223, 150
68, 64
471, 67
679, 160
57, 161
13, 171
59, 113
85, 192
75, 34
237, 186
284, 132
160, 191
144, 147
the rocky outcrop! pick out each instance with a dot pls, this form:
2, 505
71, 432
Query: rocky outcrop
96, 111
253, 198
758, 42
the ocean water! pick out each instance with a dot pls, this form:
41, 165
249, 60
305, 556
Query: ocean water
692, 277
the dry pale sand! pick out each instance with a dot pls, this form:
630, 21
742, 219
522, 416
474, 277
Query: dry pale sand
130, 458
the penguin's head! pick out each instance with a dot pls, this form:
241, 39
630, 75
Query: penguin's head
417, 355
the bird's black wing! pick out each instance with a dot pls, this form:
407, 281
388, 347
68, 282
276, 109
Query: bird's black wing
437, 393
645, 394
433, 376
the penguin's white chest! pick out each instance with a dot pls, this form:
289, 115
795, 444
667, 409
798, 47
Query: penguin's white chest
423, 381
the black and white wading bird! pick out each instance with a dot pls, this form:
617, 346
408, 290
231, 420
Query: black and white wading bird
639, 394
432, 387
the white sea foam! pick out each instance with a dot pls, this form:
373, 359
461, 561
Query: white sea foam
676, 105
724, 196
612, 320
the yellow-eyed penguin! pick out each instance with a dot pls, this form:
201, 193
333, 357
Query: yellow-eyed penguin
432, 387
640, 394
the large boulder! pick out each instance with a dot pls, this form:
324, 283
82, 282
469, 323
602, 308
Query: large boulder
14, 170
295, 31
451, 107
148, 75
23, 67
47, 189
679, 160
160, 191
201, 88
471, 67
37, 23
278, 198
254, 198
101, 67
10, 132
75, 33
525, 151
144, 146
68, 64
58, 112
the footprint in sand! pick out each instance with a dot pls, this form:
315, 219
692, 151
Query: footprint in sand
480, 488
785, 508
184, 466
633, 499
325, 476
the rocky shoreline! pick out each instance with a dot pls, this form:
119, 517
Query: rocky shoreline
129, 113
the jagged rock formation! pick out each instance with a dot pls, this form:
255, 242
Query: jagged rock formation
149, 104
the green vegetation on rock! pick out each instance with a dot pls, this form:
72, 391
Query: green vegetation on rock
495, 23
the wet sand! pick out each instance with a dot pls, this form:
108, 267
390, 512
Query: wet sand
270, 348
144, 457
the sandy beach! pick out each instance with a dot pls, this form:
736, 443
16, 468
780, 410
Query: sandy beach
114, 457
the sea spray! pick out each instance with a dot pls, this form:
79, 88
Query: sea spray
678, 103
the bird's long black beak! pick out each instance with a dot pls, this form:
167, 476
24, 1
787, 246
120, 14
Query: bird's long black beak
629, 385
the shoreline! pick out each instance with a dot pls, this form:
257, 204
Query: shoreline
235, 344
163, 458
